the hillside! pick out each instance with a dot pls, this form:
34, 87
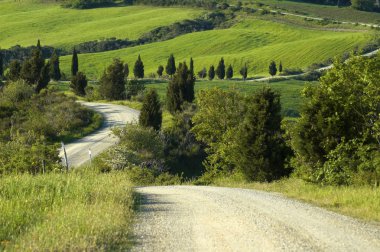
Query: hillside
252, 40
23, 23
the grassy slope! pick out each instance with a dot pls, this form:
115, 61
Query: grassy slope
325, 11
254, 41
23, 23
361, 202
65, 212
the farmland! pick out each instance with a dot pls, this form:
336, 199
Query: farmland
252, 41
24, 23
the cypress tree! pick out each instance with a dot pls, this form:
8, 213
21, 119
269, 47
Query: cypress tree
221, 69
211, 73
244, 71
229, 72
151, 113
74, 63
191, 67
55, 72
126, 70
32, 67
272, 68
180, 89
38, 45
14, 70
261, 151
160, 70
280, 67
203, 73
44, 78
1, 64
170, 66
112, 83
79, 84
138, 70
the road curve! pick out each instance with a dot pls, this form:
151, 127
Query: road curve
114, 115
199, 218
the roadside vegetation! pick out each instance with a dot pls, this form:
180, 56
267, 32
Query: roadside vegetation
82, 210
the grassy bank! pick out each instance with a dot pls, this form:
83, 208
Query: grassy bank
361, 202
76, 211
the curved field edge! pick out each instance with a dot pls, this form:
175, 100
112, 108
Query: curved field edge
252, 41
24, 22
82, 210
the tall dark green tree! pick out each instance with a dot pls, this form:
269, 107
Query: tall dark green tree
55, 72
112, 83
244, 72
151, 113
280, 67
211, 73
272, 68
229, 72
180, 89
138, 70
221, 69
74, 63
14, 70
261, 151
31, 68
44, 78
170, 66
79, 84
160, 70
203, 73
191, 67
126, 70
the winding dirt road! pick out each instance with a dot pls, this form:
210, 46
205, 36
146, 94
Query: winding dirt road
114, 115
199, 218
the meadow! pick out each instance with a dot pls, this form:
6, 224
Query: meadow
252, 41
81, 210
22, 23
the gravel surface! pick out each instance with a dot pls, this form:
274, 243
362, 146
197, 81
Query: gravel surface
114, 115
199, 218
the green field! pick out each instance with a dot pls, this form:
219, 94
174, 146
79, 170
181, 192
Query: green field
24, 22
254, 41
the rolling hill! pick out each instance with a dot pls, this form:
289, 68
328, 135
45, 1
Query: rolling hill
251, 40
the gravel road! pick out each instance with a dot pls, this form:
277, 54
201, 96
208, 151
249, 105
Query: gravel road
114, 115
199, 218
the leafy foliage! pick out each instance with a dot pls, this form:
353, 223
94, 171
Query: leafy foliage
272, 68
211, 73
244, 72
79, 84
170, 66
54, 72
221, 69
74, 63
229, 72
151, 113
180, 89
339, 121
112, 83
138, 70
